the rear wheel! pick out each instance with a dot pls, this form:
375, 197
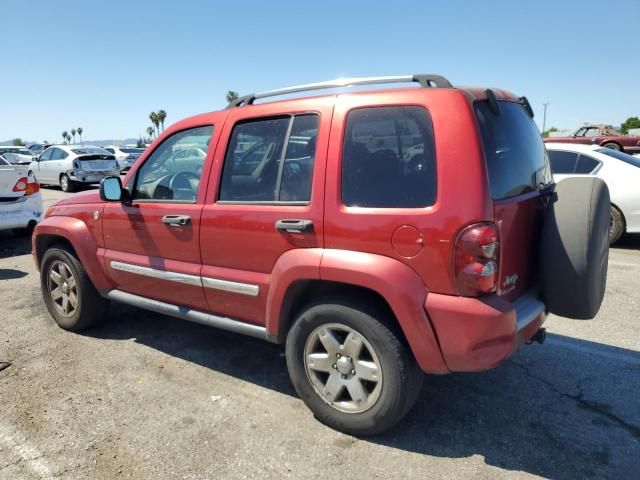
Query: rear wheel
66, 184
612, 146
350, 368
617, 227
71, 298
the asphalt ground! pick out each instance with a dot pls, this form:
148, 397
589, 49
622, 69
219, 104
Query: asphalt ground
145, 396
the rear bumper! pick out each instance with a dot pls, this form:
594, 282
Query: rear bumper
479, 333
92, 177
21, 213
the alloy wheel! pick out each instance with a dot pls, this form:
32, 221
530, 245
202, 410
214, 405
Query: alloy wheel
63, 288
343, 368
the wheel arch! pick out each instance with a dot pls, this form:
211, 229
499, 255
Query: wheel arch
385, 282
605, 142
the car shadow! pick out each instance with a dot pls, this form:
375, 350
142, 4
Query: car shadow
11, 274
12, 244
566, 409
629, 241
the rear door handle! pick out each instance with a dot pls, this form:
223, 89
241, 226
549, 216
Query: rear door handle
293, 225
176, 220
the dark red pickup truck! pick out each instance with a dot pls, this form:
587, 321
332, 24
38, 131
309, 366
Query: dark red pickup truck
604, 135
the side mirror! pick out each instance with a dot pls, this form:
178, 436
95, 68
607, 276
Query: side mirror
111, 189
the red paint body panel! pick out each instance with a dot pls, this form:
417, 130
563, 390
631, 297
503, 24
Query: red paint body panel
477, 334
462, 188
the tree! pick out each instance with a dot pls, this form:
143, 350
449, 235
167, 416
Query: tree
231, 96
79, 130
153, 116
68, 138
546, 133
140, 143
150, 132
73, 132
17, 142
64, 136
162, 115
629, 123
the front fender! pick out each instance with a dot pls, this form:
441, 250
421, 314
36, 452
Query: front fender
83, 241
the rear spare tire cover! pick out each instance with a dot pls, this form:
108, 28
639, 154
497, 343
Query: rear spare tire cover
575, 247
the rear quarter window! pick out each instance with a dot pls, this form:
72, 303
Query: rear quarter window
513, 148
388, 158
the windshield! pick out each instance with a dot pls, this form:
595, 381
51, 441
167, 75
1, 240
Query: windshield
132, 150
90, 151
516, 159
3, 162
630, 159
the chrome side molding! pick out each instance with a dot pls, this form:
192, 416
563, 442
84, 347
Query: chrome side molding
184, 313
194, 280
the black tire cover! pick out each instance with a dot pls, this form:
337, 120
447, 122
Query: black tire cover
574, 253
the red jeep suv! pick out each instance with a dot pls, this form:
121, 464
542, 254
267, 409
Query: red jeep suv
377, 234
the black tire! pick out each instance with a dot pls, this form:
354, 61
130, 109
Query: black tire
401, 377
91, 307
575, 248
618, 227
66, 184
612, 146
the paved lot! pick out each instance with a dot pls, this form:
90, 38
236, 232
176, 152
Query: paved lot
146, 396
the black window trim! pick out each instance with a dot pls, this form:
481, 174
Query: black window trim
269, 203
435, 159
131, 185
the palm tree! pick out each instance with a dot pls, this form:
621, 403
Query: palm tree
73, 132
68, 138
79, 130
231, 96
150, 132
153, 116
162, 115
64, 136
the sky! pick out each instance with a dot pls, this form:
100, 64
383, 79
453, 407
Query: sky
105, 65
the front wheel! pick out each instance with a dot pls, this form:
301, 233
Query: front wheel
66, 184
350, 367
71, 298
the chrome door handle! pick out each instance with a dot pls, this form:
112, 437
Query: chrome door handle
293, 225
176, 220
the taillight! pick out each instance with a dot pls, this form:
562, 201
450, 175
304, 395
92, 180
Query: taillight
32, 187
476, 260
21, 185
24, 185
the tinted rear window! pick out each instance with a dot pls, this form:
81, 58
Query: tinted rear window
513, 149
388, 158
562, 162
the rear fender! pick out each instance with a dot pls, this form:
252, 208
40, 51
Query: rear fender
78, 234
396, 283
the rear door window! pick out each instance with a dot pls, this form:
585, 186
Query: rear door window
388, 158
513, 149
562, 162
586, 164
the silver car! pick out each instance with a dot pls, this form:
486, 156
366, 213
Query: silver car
71, 165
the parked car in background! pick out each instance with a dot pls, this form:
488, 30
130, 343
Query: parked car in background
619, 170
38, 148
369, 265
17, 155
125, 156
603, 135
71, 165
20, 198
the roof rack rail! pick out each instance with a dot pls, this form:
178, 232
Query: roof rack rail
425, 80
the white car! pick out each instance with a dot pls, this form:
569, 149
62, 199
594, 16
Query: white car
71, 165
125, 156
16, 155
20, 198
619, 170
